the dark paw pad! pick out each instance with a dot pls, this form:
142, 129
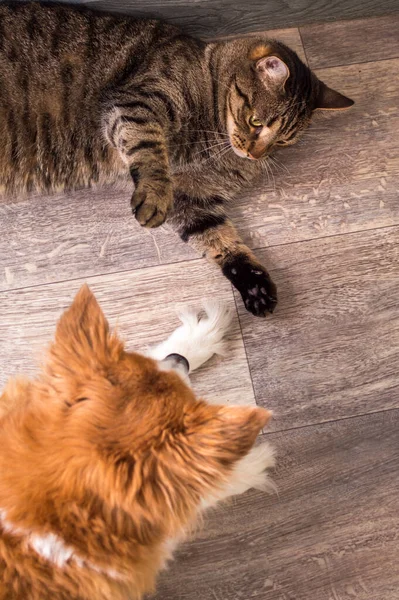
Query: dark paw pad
257, 290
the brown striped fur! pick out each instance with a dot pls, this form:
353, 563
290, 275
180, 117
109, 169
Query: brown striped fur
88, 98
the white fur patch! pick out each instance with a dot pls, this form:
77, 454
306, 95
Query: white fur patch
52, 548
198, 338
249, 472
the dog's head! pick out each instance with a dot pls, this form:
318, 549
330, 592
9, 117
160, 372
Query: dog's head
135, 433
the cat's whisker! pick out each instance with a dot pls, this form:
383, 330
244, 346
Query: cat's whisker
273, 178
270, 176
218, 155
279, 165
211, 131
220, 144
203, 142
268, 173
223, 152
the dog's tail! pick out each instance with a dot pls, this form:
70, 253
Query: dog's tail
199, 337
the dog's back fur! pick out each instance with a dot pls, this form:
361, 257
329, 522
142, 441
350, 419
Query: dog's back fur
105, 459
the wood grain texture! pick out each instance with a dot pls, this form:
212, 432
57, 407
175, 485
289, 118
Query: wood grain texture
55, 238
291, 37
143, 305
331, 349
332, 534
343, 176
358, 41
223, 17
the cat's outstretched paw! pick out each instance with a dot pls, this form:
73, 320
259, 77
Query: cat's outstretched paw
199, 337
150, 207
257, 290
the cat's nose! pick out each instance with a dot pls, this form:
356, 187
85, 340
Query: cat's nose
176, 362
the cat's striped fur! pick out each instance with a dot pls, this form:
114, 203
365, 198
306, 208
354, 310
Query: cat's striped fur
88, 98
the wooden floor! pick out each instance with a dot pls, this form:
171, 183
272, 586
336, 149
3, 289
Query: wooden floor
327, 361
221, 17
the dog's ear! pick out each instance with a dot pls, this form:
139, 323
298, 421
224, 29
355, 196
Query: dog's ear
83, 344
196, 455
225, 433
83, 326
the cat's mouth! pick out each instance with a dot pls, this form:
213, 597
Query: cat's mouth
250, 153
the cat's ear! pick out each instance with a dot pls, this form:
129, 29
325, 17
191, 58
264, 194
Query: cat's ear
83, 344
272, 69
329, 99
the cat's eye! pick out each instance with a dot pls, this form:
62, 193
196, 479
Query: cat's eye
281, 143
255, 122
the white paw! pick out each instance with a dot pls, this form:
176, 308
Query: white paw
199, 337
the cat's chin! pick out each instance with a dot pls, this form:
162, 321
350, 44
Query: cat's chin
242, 154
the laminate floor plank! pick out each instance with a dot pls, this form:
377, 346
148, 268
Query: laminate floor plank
331, 348
89, 232
226, 17
348, 42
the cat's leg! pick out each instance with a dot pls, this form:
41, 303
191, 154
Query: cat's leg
135, 129
206, 226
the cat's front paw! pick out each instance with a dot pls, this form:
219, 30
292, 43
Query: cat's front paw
150, 206
257, 290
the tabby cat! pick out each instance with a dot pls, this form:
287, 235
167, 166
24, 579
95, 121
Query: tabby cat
87, 98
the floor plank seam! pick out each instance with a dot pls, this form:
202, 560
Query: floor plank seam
324, 237
104, 274
243, 343
327, 422
192, 260
352, 64
303, 46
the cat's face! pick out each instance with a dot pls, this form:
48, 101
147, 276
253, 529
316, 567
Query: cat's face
271, 99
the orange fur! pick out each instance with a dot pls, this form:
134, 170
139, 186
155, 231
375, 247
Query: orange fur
111, 455
260, 51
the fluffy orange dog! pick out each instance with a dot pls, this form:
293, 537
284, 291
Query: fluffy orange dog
107, 459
